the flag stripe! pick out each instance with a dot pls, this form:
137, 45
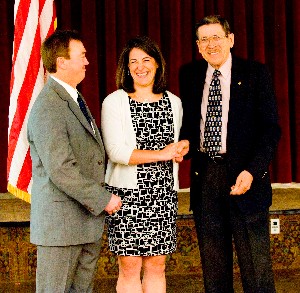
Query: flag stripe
48, 14
34, 20
23, 33
20, 22
25, 37
25, 174
21, 146
24, 98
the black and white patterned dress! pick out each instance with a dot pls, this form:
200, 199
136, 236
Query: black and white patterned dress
146, 223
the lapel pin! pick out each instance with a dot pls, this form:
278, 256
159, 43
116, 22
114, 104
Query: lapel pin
239, 83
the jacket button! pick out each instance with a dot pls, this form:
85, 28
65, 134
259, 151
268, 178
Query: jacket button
102, 184
99, 162
196, 173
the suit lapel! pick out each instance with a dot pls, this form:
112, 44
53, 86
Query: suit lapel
237, 105
236, 80
202, 69
64, 95
96, 134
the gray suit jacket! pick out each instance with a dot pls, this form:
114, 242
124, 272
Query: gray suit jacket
68, 161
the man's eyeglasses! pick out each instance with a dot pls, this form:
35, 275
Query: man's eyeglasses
215, 38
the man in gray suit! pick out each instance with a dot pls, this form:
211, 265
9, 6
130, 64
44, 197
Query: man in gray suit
68, 197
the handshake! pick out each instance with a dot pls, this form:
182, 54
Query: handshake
175, 151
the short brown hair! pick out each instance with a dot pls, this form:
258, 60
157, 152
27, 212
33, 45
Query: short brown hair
212, 19
124, 79
57, 45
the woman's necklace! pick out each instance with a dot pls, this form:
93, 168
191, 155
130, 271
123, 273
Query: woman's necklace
143, 100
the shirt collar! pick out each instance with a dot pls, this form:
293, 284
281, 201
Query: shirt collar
225, 69
71, 91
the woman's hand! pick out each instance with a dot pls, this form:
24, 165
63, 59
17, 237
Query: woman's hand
182, 149
174, 151
169, 152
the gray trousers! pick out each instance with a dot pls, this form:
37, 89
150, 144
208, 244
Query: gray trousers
67, 269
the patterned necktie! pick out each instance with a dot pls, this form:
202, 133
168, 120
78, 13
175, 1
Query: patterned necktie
213, 123
83, 109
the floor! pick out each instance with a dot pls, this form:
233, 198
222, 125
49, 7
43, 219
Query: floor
286, 282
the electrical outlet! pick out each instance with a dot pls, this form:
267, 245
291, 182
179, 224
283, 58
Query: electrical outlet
275, 226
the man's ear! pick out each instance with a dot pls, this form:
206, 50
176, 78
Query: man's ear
231, 37
60, 63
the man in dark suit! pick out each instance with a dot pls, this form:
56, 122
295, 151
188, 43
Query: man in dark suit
68, 198
233, 131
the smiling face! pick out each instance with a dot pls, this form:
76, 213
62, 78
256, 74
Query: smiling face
72, 70
142, 68
77, 61
213, 44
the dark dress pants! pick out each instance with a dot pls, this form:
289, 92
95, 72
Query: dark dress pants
218, 220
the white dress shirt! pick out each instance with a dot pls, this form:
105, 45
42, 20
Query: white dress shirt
225, 80
71, 91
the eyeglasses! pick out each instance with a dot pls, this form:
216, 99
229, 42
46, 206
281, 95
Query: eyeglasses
215, 38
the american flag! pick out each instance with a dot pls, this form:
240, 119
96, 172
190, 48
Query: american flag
34, 20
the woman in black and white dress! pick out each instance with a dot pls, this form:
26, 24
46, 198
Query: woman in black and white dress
140, 125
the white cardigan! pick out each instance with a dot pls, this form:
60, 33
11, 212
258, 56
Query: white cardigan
120, 140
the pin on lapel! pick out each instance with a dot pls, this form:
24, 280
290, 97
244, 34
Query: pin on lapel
239, 83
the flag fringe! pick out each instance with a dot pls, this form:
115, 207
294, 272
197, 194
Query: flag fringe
18, 193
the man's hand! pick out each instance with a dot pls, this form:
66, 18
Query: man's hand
242, 184
182, 150
114, 204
